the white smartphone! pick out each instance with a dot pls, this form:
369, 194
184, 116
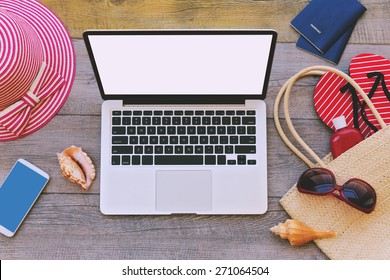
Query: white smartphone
18, 193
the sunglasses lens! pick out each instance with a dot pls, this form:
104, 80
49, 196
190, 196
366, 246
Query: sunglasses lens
359, 193
316, 180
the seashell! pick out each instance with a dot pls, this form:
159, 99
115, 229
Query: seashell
298, 233
70, 169
74, 161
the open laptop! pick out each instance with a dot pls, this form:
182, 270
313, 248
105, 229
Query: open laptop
183, 121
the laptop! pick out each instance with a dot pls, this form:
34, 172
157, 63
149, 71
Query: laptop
183, 122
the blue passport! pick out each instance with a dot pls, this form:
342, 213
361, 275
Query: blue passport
323, 22
334, 53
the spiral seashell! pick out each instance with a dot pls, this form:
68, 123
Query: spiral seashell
77, 167
298, 233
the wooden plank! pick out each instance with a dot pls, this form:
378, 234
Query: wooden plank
85, 97
79, 15
64, 226
284, 168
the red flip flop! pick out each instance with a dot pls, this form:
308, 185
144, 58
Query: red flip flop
334, 96
372, 73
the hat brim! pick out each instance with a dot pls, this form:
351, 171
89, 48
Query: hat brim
58, 54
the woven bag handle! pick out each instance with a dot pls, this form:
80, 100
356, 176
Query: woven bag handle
286, 91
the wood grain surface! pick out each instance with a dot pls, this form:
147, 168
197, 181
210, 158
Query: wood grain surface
66, 222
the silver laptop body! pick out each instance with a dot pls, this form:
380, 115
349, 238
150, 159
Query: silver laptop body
183, 121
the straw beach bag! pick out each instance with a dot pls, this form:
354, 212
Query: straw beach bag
359, 235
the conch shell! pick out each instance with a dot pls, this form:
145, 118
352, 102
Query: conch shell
298, 233
77, 167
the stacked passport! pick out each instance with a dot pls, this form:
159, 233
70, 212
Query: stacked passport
326, 25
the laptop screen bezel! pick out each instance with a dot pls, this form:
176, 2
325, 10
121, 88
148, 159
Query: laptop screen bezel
181, 98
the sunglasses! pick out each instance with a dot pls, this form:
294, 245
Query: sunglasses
355, 192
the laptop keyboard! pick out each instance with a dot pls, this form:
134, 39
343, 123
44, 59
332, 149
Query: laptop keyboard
183, 137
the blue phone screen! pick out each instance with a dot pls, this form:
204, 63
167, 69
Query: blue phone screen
17, 194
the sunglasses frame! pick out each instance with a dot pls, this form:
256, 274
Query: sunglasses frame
338, 188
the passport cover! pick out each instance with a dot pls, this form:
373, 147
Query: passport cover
323, 22
334, 53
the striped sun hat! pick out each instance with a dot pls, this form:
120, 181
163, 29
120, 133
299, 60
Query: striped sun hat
37, 67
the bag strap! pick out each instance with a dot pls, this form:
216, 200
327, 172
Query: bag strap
286, 91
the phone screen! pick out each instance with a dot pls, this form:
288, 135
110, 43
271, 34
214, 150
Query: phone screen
18, 193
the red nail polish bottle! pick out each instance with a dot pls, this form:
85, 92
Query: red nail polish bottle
344, 138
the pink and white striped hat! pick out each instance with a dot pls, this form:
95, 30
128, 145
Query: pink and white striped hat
37, 67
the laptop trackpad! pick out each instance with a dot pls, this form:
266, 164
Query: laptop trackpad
183, 191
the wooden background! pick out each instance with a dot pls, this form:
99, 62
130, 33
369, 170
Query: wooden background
66, 222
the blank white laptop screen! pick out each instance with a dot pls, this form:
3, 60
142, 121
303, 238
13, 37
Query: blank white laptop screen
186, 64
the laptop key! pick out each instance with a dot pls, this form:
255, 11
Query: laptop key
178, 160
181, 130
252, 162
126, 120
245, 149
136, 160
209, 113
151, 130
230, 113
247, 139
127, 113
251, 113
141, 130
241, 130
178, 113
143, 140
136, 120
116, 113
251, 129
241, 160
146, 120
148, 113
148, 150
186, 120
248, 120
147, 160
209, 150
125, 160
194, 140
122, 150
168, 113
133, 140
116, 160
189, 149
220, 113
158, 149
221, 160
120, 140
119, 130
166, 120
131, 130
137, 113
233, 139
231, 162
198, 149
210, 160
161, 130
116, 121
153, 140
179, 150
240, 113
158, 113
189, 113
156, 120
164, 140
168, 149
138, 150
